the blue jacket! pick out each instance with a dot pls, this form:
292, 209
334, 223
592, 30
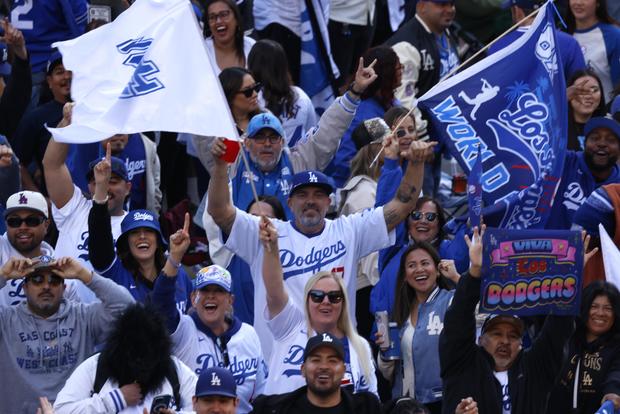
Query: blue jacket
340, 169
576, 184
243, 289
425, 345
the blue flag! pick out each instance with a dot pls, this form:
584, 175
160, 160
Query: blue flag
474, 191
512, 104
606, 408
314, 77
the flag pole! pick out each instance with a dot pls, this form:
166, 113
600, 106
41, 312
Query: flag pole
455, 70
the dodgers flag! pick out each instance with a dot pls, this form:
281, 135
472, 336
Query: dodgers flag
512, 104
314, 77
146, 71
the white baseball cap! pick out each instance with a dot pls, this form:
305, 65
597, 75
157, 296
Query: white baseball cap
30, 200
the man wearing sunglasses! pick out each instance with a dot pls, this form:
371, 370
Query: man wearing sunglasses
45, 337
309, 242
26, 220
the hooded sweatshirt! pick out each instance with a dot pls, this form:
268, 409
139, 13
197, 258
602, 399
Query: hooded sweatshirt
37, 354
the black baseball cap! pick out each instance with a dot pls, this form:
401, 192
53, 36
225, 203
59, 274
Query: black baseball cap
321, 340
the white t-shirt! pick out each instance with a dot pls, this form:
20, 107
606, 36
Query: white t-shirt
72, 223
337, 248
502, 377
12, 293
291, 335
287, 13
300, 120
247, 364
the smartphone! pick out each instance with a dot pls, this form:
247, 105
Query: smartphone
160, 402
99, 12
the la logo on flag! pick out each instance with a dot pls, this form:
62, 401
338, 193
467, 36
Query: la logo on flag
215, 380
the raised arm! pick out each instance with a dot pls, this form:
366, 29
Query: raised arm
57, 176
101, 251
277, 297
409, 189
219, 205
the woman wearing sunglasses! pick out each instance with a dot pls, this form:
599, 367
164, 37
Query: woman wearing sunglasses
421, 302
325, 310
226, 45
241, 91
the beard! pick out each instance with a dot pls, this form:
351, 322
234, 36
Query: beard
266, 165
589, 158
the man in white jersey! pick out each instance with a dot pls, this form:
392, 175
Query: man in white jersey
26, 219
310, 243
70, 207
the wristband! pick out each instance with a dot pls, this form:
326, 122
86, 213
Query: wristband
353, 91
104, 201
173, 263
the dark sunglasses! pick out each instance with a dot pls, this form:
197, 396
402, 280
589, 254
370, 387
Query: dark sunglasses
402, 133
249, 91
39, 279
334, 296
31, 221
417, 215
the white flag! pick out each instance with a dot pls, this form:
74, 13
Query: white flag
611, 257
146, 71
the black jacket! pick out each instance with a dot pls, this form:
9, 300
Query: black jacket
599, 374
359, 403
467, 369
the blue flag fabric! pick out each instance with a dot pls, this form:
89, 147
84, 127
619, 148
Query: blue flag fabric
606, 408
314, 77
474, 191
513, 104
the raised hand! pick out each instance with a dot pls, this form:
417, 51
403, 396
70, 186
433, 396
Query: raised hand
16, 268
180, 241
70, 268
587, 255
268, 234
419, 151
448, 269
218, 148
364, 76
6, 156
467, 406
390, 146
475, 250
14, 39
67, 113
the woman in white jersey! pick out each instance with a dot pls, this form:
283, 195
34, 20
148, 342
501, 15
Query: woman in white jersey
325, 310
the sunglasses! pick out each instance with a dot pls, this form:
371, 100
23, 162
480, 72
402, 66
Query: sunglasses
261, 139
31, 221
249, 91
402, 133
334, 296
417, 215
38, 280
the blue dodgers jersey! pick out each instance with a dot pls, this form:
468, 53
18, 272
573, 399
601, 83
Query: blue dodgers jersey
46, 22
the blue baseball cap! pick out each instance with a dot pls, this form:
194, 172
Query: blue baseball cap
527, 4
54, 60
5, 67
264, 120
602, 122
140, 219
118, 168
312, 179
216, 381
213, 275
615, 106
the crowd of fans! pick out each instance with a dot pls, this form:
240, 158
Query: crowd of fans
151, 271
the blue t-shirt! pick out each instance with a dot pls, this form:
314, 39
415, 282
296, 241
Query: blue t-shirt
568, 48
243, 289
44, 22
141, 292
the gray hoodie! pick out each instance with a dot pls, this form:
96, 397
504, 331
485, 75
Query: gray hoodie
37, 355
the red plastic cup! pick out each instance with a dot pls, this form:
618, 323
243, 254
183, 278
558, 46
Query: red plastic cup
232, 150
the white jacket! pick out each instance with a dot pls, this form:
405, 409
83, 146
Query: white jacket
75, 395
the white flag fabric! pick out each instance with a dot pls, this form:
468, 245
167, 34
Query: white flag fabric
611, 257
146, 71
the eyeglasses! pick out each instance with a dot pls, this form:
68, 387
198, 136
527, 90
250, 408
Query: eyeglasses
31, 221
417, 215
39, 279
249, 91
223, 15
334, 296
261, 139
